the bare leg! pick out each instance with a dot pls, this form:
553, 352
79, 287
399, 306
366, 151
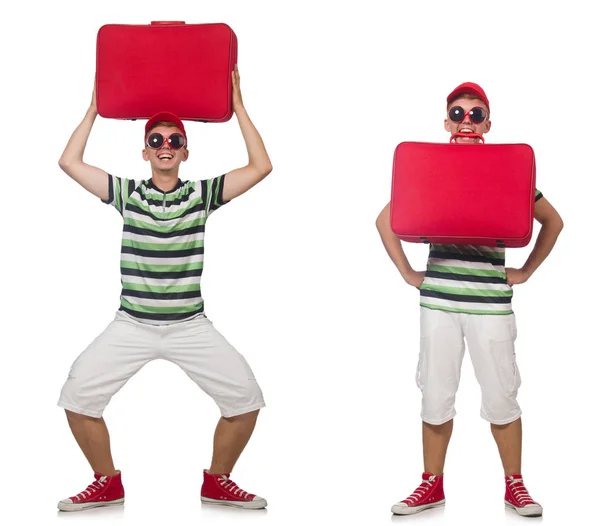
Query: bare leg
92, 436
509, 439
231, 436
435, 445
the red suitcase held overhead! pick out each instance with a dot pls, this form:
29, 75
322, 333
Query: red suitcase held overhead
471, 194
165, 66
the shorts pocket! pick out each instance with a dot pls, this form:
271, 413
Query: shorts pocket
421, 372
499, 334
506, 363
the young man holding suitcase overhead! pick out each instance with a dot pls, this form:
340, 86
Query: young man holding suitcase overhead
162, 311
464, 294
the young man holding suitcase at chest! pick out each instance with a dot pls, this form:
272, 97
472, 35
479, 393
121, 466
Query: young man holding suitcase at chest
466, 293
162, 311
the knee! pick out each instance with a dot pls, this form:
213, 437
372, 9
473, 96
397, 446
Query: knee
251, 416
439, 429
73, 417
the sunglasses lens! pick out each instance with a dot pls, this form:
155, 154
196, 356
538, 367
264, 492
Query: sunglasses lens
176, 141
456, 114
155, 140
477, 115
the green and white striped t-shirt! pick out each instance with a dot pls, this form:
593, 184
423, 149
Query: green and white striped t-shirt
162, 249
466, 278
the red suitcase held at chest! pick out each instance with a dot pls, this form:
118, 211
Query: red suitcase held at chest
165, 66
474, 194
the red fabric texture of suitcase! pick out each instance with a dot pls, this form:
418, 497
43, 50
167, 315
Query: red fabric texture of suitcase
466, 194
165, 66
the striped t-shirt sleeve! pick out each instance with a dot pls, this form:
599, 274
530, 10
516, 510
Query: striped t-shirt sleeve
212, 193
538, 195
119, 191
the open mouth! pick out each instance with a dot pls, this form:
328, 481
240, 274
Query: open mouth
165, 156
466, 130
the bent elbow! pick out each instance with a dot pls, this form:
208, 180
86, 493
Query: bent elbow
267, 168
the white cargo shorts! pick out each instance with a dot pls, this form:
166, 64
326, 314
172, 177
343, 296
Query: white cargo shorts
126, 345
491, 343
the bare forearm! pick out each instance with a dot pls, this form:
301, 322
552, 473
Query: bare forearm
257, 153
393, 247
76, 146
544, 244
93, 179
392, 244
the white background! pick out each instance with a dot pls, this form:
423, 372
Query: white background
295, 274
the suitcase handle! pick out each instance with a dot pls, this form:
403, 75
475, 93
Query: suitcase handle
459, 134
167, 23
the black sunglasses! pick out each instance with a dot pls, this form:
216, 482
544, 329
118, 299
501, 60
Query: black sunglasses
156, 140
476, 114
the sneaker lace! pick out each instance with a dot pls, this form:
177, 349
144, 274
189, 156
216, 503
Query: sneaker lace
421, 491
92, 488
519, 492
232, 487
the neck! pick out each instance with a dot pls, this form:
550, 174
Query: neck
165, 181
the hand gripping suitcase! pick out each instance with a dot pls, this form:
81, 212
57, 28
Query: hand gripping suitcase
165, 66
473, 194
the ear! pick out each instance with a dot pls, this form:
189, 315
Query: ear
144, 154
186, 154
488, 125
446, 125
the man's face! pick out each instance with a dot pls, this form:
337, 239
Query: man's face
467, 125
165, 158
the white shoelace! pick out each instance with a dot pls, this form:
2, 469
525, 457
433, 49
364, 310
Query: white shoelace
421, 490
232, 487
92, 488
520, 492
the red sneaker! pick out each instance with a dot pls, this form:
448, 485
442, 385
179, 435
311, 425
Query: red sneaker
104, 491
430, 494
517, 497
220, 489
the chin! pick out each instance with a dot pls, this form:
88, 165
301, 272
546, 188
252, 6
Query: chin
166, 169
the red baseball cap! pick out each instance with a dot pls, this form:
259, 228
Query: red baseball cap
164, 116
469, 88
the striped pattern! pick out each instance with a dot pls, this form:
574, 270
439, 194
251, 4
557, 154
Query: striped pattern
162, 249
467, 279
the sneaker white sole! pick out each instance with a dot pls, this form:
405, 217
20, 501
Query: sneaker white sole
69, 506
529, 511
252, 505
411, 510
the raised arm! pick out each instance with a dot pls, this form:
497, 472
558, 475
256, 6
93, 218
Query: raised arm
394, 249
259, 165
93, 179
